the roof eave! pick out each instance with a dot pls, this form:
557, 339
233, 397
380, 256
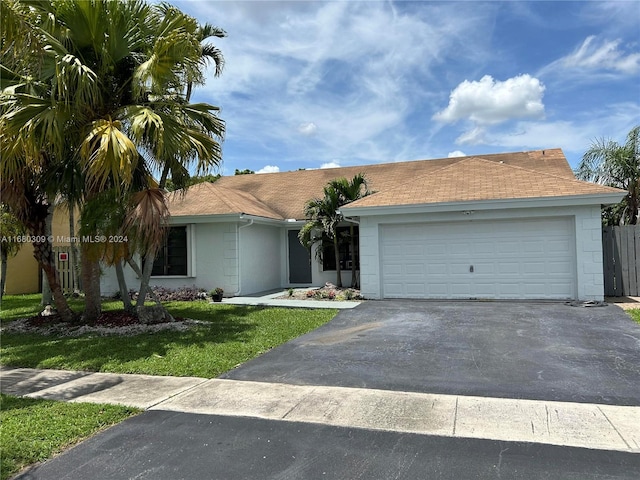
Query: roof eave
221, 218
495, 204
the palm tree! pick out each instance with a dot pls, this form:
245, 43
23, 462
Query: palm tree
350, 191
323, 218
10, 228
105, 87
609, 163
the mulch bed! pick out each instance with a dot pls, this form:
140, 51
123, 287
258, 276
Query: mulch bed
116, 322
118, 318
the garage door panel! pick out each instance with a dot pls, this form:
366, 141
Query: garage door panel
533, 247
436, 268
484, 268
511, 259
559, 247
415, 268
533, 268
509, 268
560, 268
504, 247
415, 289
483, 248
393, 269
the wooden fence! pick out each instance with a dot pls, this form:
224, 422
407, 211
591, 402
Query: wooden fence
621, 253
68, 277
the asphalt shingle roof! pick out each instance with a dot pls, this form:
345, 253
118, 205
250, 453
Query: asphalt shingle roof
540, 173
476, 179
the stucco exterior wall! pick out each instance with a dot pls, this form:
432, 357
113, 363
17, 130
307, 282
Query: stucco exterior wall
212, 256
260, 258
588, 248
23, 273
320, 276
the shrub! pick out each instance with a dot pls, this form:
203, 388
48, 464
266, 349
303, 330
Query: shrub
182, 294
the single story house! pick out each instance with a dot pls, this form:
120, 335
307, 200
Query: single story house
500, 226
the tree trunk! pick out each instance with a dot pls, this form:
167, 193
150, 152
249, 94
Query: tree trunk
90, 275
136, 269
354, 280
47, 296
46, 288
73, 256
337, 252
43, 253
147, 267
122, 284
3, 271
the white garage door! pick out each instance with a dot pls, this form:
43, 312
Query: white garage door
525, 259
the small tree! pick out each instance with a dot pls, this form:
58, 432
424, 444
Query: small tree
323, 217
609, 163
350, 191
10, 228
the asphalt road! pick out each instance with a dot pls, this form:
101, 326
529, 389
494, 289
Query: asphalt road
159, 445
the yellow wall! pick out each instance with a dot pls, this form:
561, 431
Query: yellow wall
22, 273
22, 270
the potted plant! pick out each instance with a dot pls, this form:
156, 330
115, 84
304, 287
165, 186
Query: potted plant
216, 294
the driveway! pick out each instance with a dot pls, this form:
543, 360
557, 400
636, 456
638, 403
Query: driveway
538, 351
516, 350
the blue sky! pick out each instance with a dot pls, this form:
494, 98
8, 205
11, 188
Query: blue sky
324, 84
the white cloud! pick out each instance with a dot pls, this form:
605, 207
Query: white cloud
307, 129
349, 79
333, 164
456, 153
489, 101
597, 56
574, 136
475, 136
269, 169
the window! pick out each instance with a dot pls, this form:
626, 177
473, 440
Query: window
344, 244
171, 259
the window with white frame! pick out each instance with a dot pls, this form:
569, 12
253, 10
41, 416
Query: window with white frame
172, 257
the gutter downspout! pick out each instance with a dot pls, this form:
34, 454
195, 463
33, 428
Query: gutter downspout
238, 258
348, 219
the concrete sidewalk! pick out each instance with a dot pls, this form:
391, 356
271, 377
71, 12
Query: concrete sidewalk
602, 427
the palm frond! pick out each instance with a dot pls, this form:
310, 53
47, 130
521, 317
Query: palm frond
108, 154
146, 221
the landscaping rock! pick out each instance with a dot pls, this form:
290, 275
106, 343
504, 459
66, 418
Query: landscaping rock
151, 315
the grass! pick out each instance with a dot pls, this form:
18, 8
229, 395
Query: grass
22, 306
34, 430
231, 336
635, 314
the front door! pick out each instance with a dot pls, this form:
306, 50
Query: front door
299, 260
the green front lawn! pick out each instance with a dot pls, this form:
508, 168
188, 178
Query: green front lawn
34, 430
231, 335
635, 314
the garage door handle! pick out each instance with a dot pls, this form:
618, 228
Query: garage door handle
471, 268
